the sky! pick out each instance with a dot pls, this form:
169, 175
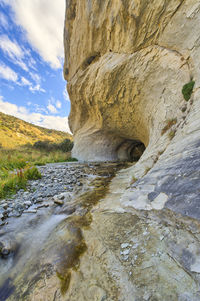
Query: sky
32, 86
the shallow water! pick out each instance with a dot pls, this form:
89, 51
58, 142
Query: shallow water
50, 241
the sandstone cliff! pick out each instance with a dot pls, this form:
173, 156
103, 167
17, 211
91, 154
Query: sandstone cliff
126, 63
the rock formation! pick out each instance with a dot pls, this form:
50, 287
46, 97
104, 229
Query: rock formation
126, 62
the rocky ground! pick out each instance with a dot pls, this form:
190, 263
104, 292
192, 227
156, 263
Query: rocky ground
59, 180
97, 240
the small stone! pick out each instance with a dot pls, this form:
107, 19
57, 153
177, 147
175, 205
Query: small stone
2, 223
39, 200
5, 252
58, 202
125, 245
4, 205
43, 206
28, 203
125, 252
30, 211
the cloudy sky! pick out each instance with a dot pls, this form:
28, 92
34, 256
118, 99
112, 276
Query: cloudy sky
31, 61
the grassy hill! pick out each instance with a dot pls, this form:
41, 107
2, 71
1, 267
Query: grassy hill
15, 132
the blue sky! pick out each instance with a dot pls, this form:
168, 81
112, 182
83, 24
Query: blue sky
31, 61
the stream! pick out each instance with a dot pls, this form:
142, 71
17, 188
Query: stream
46, 240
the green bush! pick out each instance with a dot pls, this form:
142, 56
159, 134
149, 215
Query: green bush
32, 174
14, 182
187, 90
64, 146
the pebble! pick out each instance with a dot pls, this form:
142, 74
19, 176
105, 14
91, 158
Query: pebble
30, 211
58, 202
125, 252
58, 182
125, 245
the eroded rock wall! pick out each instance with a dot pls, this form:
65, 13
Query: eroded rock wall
126, 63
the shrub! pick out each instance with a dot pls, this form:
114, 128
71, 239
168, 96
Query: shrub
14, 182
64, 146
71, 160
43, 145
32, 174
187, 90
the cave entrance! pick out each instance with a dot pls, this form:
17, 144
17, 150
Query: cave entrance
130, 150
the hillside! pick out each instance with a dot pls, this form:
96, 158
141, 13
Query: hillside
15, 132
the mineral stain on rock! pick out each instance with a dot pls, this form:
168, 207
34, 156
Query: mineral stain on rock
51, 244
70, 254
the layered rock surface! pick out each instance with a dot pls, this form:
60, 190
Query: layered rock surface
126, 63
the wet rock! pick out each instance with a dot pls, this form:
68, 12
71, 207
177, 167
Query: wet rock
2, 223
58, 202
42, 206
28, 203
30, 211
4, 205
4, 250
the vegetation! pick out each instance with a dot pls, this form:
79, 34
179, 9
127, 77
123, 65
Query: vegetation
187, 90
169, 124
15, 132
171, 134
23, 147
11, 182
17, 166
134, 179
65, 145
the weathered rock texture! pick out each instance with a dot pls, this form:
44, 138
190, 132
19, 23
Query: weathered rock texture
126, 63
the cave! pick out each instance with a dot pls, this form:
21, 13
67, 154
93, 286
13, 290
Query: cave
130, 150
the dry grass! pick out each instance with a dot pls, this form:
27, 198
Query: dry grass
15, 132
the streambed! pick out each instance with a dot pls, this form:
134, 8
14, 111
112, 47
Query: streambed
44, 239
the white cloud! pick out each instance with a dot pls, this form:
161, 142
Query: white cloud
40, 109
58, 104
37, 88
36, 77
13, 51
25, 81
9, 47
43, 22
52, 109
66, 95
53, 105
33, 88
52, 122
7, 73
